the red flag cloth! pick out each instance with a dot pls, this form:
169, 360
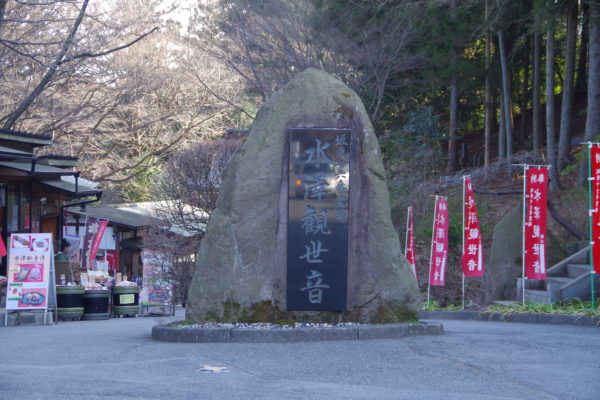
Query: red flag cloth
439, 243
409, 251
112, 256
595, 166
94, 230
472, 254
2, 247
98, 239
536, 181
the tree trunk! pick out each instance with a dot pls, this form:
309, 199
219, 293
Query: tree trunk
2, 9
501, 131
581, 83
537, 91
12, 117
564, 142
453, 130
550, 137
592, 121
506, 103
524, 93
487, 130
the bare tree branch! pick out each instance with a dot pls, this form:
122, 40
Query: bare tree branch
49, 74
103, 53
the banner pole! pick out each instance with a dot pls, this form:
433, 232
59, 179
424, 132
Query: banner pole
591, 207
464, 206
431, 251
407, 226
524, 214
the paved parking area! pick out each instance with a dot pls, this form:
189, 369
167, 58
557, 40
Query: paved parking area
117, 359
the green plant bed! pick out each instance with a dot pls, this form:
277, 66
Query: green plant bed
435, 306
574, 307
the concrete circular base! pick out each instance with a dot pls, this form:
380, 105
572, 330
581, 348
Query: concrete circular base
257, 335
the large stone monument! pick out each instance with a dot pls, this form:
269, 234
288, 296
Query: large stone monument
302, 228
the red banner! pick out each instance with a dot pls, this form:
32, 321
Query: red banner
536, 181
439, 243
98, 239
65, 222
472, 254
94, 230
595, 166
112, 256
2, 248
409, 250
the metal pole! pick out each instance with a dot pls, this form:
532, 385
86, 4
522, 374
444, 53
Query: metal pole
524, 216
592, 210
464, 206
431, 251
407, 228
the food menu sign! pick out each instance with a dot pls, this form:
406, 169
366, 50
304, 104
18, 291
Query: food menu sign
29, 262
317, 249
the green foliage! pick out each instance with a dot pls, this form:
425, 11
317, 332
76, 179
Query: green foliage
435, 306
139, 188
573, 307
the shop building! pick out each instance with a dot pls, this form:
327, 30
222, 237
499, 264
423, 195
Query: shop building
34, 190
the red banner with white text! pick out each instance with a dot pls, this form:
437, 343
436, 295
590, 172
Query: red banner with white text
94, 230
472, 254
439, 244
595, 166
536, 181
409, 251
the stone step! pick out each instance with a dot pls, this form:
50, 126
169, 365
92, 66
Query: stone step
558, 281
505, 303
576, 270
25, 318
537, 296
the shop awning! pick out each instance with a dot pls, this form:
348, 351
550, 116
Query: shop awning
132, 243
117, 216
7, 152
139, 215
70, 187
36, 169
25, 137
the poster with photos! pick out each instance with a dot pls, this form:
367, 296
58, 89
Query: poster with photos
29, 261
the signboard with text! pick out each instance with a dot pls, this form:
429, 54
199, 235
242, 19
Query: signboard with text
439, 243
472, 252
30, 257
156, 290
535, 222
317, 249
595, 211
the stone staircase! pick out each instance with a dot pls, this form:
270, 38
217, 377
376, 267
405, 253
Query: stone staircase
568, 279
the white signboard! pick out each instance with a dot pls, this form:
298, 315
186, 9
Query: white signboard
30, 263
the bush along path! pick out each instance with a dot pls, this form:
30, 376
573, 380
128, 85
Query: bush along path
575, 312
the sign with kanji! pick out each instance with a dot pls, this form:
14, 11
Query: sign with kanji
536, 190
317, 249
439, 243
30, 256
94, 230
409, 251
595, 175
472, 254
